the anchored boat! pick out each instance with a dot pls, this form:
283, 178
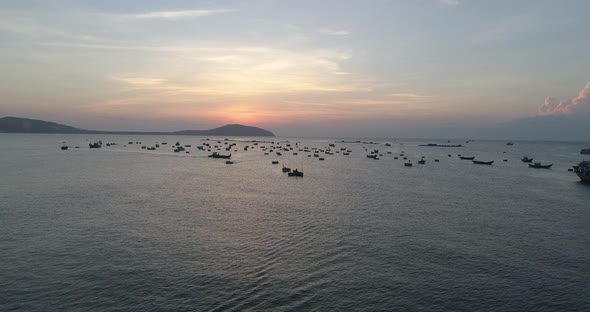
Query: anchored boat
538, 165
582, 170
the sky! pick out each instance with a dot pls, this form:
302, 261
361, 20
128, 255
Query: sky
298, 68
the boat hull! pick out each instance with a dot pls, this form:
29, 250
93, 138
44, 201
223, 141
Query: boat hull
540, 166
477, 162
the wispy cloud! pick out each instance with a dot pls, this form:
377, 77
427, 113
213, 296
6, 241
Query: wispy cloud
451, 3
334, 32
409, 95
174, 15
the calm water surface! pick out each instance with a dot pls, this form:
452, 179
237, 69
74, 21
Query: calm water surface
125, 229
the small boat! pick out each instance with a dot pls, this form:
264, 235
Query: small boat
229, 162
321, 158
286, 169
436, 160
372, 156
421, 161
275, 162
95, 145
467, 158
526, 159
509, 143
295, 173
582, 170
64, 147
585, 151
217, 155
408, 164
479, 162
538, 165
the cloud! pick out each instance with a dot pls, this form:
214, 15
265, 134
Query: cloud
334, 32
409, 95
451, 3
579, 103
173, 15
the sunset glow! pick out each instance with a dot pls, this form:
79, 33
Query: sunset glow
275, 64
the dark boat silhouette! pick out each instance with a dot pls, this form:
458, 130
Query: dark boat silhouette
95, 145
479, 162
526, 159
295, 173
467, 158
217, 155
538, 165
582, 170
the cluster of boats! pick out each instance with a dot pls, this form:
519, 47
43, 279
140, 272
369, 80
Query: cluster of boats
582, 170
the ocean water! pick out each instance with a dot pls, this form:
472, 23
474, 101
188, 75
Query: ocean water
126, 229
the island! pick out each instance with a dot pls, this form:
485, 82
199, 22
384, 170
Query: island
26, 125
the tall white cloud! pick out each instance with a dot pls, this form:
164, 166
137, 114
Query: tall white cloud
580, 103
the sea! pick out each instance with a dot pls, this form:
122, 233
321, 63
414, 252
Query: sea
121, 228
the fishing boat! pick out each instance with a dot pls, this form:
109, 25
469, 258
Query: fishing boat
479, 162
582, 170
95, 145
217, 155
467, 158
286, 169
408, 164
295, 173
538, 165
526, 159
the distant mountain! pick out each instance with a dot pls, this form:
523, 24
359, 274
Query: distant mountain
229, 130
25, 125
